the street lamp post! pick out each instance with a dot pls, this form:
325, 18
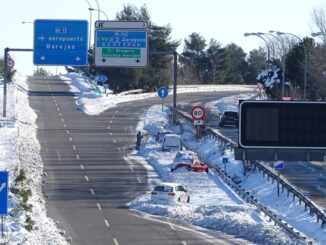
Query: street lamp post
258, 35
98, 10
90, 23
305, 61
91, 9
284, 65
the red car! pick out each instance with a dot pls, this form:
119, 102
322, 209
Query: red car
188, 160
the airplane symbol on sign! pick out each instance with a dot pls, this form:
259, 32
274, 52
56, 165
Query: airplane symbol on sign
3, 186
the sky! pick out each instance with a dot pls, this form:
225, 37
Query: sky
219, 209
226, 21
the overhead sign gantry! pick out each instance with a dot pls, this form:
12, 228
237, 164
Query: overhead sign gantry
282, 130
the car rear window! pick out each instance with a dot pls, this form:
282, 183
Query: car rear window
231, 114
163, 188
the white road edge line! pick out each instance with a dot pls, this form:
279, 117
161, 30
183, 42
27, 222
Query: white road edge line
74, 147
92, 191
65, 125
86, 178
172, 227
62, 119
115, 241
139, 180
81, 166
77, 156
114, 141
99, 206
110, 133
107, 224
67, 131
70, 138
110, 121
109, 127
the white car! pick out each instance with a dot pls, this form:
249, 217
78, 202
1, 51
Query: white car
171, 142
167, 192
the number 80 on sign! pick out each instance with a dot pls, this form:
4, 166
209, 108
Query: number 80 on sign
198, 113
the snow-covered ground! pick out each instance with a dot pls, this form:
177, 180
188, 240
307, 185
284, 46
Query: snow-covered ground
213, 205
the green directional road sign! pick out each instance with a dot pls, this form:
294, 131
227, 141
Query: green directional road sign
120, 53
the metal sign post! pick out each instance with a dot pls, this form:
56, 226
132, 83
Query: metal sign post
278, 166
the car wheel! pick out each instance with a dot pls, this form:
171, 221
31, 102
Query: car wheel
188, 199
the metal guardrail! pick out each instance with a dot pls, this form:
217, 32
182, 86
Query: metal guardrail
225, 142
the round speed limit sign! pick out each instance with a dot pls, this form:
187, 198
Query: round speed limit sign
198, 113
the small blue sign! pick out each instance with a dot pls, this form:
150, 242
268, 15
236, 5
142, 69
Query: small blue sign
162, 92
106, 86
100, 78
60, 42
225, 160
3, 192
279, 165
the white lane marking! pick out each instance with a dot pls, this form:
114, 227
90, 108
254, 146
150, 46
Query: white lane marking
68, 132
60, 114
109, 127
58, 109
70, 138
81, 166
184, 243
207, 238
131, 168
172, 227
107, 224
306, 165
65, 125
58, 154
114, 141
99, 206
115, 241
74, 147
62, 119
77, 156
110, 121
119, 149
86, 178
92, 191
116, 111
113, 116
139, 180
110, 133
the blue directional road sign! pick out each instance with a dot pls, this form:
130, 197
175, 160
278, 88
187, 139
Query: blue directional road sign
60, 42
3, 192
106, 86
100, 78
162, 92
279, 165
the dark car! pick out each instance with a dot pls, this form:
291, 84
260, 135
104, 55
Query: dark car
229, 118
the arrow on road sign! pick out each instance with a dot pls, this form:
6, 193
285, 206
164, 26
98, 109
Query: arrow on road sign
43, 57
2, 187
279, 165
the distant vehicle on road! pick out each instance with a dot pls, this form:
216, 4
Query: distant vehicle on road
229, 117
188, 160
167, 192
171, 142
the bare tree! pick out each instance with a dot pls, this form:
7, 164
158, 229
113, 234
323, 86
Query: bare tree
319, 20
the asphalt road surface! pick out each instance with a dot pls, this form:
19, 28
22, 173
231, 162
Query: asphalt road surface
88, 181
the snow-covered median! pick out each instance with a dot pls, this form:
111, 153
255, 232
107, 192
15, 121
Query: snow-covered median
27, 221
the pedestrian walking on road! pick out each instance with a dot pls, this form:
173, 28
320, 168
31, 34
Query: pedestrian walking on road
139, 137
